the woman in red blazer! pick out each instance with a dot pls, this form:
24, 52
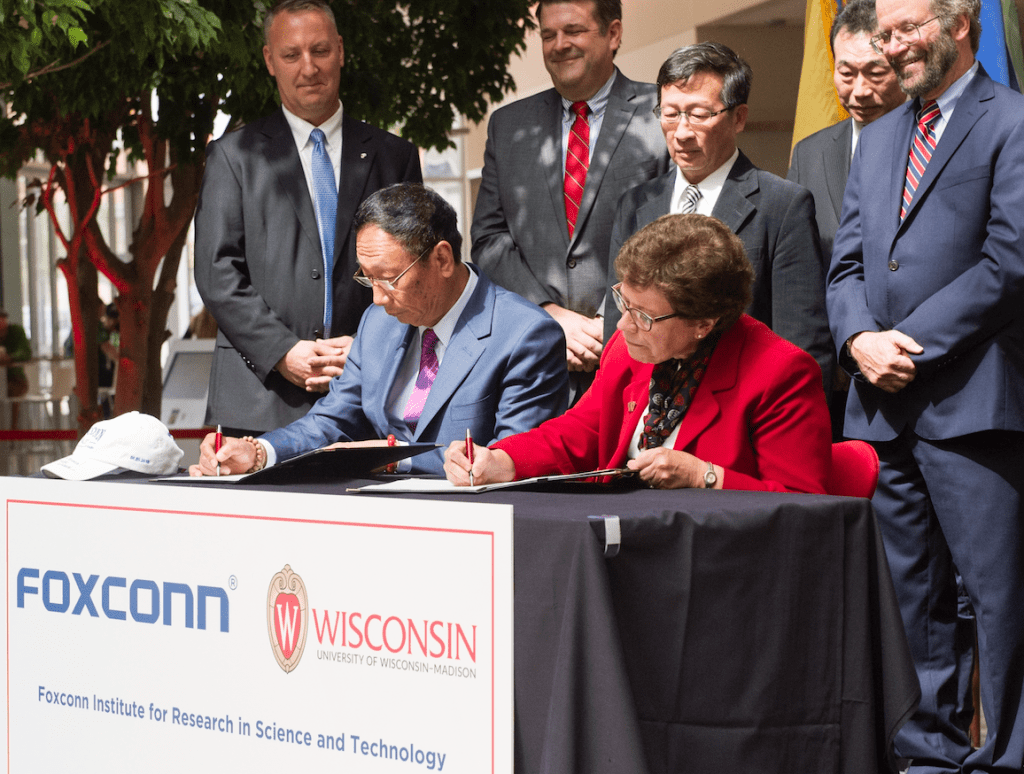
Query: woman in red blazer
691, 392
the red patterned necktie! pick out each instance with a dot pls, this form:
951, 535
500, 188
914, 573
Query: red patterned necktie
428, 372
577, 161
921, 150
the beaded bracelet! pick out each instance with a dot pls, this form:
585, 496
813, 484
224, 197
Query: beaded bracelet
261, 455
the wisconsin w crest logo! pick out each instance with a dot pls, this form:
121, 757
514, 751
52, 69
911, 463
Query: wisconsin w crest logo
287, 618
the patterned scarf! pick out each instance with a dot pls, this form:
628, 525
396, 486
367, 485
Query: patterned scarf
673, 385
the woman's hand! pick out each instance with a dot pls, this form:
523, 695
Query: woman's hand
662, 468
489, 466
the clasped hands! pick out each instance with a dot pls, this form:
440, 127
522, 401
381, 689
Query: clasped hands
884, 358
584, 337
312, 364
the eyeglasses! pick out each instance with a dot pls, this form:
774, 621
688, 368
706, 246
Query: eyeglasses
693, 117
643, 320
388, 285
907, 34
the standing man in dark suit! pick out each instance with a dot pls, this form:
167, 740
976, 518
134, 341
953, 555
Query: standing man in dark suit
867, 88
702, 107
541, 228
275, 251
924, 297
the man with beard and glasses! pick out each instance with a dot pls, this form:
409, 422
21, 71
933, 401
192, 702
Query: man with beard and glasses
555, 166
924, 300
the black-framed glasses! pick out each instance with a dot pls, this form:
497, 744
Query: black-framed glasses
388, 285
693, 117
643, 320
907, 33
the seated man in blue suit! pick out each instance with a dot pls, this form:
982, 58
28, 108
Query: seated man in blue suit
442, 349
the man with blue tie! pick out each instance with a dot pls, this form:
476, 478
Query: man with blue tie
442, 351
924, 300
274, 244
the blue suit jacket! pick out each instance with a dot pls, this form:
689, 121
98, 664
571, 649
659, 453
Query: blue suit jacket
950, 276
503, 372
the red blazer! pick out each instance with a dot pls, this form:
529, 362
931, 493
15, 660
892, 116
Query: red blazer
769, 429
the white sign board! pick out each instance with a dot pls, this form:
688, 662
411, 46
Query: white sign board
155, 628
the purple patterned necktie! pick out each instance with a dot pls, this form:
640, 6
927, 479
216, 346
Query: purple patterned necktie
428, 372
921, 150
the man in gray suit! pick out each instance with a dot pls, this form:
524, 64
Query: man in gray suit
525, 233
283, 297
703, 106
867, 87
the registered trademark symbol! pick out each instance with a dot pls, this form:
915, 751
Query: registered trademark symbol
233, 583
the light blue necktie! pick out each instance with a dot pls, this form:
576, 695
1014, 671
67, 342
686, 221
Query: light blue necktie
325, 193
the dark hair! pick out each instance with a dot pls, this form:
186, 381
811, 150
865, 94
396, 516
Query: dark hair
856, 17
948, 10
417, 217
605, 11
696, 261
709, 57
294, 6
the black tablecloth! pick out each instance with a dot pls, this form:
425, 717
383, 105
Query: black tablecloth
734, 632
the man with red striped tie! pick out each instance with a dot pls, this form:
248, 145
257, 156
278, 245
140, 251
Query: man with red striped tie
555, 166
924, 299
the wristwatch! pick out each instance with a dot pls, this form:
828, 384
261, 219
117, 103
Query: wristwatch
710, 477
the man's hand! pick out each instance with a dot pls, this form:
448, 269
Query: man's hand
312, 364
235, 456
884, 358
329, 361
584, 337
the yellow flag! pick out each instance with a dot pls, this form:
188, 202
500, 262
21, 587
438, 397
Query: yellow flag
817, 105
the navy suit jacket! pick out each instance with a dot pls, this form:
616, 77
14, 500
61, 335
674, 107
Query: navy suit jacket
951, 276
503, 372
259, 266
821, 164
775, 220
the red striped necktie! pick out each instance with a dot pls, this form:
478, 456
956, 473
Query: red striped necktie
921, 150
577, 161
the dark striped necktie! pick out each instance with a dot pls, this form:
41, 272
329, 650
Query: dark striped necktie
921, 150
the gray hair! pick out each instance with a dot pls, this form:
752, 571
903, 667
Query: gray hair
294, 6
948, 10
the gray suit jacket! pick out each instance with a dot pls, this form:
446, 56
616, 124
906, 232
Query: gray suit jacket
520, 236
821, 164
258, 262
775, 220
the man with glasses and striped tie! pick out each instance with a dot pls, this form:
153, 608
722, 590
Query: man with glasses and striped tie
275, 249
702, 108
924, 299
442, 351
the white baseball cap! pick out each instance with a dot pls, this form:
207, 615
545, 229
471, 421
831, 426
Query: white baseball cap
131, 441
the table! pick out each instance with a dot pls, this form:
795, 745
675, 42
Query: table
734, 632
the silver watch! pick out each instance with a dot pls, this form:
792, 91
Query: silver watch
710, 477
